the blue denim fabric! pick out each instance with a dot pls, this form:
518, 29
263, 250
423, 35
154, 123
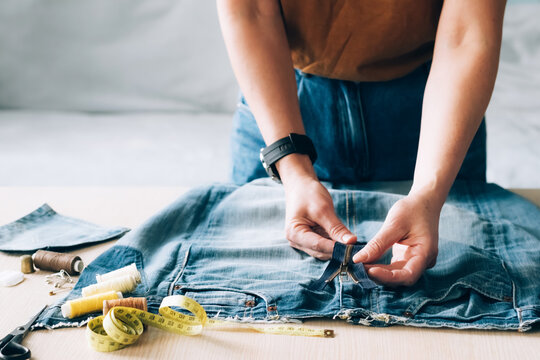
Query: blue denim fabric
362, 131
44, 228
224, 246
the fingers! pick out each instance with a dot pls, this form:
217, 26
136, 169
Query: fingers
335, 228
404, 272
302, 237
376, 247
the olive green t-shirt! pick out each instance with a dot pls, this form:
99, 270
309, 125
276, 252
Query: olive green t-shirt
360, 40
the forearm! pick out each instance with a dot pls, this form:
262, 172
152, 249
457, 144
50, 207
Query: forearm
456, 97
457, 94
255, 38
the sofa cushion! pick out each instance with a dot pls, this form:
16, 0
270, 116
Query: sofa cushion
101, 55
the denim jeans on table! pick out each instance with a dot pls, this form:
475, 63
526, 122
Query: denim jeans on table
224, 246
362, 131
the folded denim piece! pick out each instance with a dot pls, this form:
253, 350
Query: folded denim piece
44, 228
224, 246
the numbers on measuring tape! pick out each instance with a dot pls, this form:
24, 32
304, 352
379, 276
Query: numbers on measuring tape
122, 326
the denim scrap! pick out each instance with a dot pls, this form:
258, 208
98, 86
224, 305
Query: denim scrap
44, 228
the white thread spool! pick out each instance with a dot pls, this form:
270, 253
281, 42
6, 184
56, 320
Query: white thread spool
124, 284
126, 270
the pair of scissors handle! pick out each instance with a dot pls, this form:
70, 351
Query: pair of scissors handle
11, 348
10, 345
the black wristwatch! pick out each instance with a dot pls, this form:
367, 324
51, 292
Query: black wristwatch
294, 143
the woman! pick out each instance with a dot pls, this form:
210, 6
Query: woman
385, 90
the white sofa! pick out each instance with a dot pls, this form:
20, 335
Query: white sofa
125, 92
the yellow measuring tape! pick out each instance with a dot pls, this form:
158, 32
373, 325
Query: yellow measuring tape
122, 325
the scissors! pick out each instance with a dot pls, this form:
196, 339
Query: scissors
10, 345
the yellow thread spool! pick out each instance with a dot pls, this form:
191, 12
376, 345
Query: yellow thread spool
126, 270
86, 305
125, 284
27, 264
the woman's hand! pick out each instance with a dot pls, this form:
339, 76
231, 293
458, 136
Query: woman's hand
311, 224
411, 228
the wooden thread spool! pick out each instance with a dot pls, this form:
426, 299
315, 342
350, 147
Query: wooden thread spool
126, 270
27, 264
54, 261
124, 284
86, 305
132, 302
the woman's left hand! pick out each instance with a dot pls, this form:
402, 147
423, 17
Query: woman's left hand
411, 228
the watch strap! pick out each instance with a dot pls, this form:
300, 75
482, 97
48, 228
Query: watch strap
294, 143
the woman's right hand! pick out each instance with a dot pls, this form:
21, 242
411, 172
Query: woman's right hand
311, 224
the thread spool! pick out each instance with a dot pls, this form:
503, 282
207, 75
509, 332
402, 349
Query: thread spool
124, 284
126, 270
54, 261
86, 305
27, 264
132, 302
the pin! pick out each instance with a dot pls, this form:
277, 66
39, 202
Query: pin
59, 279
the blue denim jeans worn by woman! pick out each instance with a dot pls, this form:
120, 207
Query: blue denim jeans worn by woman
365, 131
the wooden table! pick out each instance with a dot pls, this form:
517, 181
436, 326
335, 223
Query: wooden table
130, 207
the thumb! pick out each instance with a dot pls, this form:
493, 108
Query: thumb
377, 246
336, 230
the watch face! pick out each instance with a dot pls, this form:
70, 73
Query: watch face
269, 170
264, 164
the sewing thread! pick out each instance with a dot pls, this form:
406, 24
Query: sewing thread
126, 270
54, 261
132, 302
27, 264
86, 305
124, 284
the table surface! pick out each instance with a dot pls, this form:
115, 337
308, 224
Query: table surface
130, 207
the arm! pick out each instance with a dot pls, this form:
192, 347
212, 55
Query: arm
458, 90
255, 37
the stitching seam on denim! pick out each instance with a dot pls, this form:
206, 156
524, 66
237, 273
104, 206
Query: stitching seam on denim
353, 211
171, 287
365, 163
347, 209
516, 308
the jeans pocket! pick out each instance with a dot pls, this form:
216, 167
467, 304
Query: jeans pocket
472, 284
468, 284
229, 302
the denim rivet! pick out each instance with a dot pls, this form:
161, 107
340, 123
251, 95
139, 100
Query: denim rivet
250, 303
408, 314
177, 287
271, 308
